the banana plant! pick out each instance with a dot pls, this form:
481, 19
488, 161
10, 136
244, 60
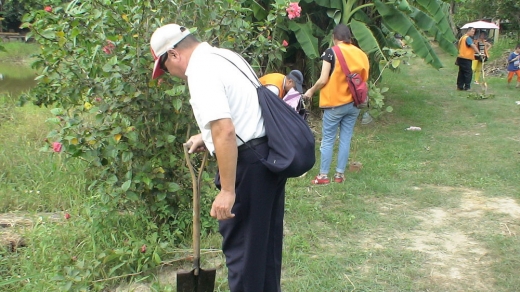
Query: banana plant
374, 23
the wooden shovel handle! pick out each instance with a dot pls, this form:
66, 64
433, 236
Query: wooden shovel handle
196, 180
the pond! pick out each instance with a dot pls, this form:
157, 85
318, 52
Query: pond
16, 78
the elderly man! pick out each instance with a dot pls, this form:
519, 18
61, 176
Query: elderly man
250, 204
467, 51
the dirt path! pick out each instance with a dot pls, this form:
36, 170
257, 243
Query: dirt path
450, 238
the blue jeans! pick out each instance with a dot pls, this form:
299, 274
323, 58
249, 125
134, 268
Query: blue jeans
343, 117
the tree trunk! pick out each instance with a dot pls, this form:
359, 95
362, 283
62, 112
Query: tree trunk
453, 8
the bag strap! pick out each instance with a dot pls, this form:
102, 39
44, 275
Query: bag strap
260, 157
341, 60
248, 66
343, 64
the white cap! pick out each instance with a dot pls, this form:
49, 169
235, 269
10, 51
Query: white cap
163, 39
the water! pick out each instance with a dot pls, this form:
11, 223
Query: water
16, 78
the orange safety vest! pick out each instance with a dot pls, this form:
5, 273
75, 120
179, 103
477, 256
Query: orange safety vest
275, 79
335, 92
465, 51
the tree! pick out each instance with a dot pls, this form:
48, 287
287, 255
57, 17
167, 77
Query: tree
509, 10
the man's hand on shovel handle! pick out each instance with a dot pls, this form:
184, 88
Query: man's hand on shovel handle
196, 144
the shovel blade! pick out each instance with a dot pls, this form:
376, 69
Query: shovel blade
203, 282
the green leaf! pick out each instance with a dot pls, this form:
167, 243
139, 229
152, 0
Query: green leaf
127, 156
366, 40
107, 68
132, 196
173, 187
15, 280
177, 103
157, 258
112, 270
399, 22
435, 9
161, 196
74, 32
112, 179
258, 11
57, 111
335, 14
48, 34
307, 41
389, 109
170, 138
329, 3
126, 185
426, 23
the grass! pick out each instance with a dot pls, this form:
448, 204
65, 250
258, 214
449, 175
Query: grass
431, 210
18, 52
30, 179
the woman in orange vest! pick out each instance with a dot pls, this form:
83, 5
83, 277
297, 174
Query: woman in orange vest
337, 102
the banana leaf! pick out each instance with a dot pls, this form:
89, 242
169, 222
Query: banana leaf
435, 9
427, 24
399, 22
366, 39
335, 4
307, 41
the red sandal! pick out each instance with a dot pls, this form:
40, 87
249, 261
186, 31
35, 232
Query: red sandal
339, 178
320, 180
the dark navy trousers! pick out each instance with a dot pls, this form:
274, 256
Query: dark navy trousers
465, 74
252, 240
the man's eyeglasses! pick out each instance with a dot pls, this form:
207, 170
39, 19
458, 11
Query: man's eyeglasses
162, 60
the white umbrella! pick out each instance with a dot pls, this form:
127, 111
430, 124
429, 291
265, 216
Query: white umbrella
481, 24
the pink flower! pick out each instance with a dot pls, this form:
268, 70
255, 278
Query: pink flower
56, 146
48, 8
143, 248
67, 216
294, 10
109, 48
285, 43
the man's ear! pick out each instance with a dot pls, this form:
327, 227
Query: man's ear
174, 53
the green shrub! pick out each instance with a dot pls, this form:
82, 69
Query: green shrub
95, 75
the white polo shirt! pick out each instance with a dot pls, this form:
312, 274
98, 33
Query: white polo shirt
218, 90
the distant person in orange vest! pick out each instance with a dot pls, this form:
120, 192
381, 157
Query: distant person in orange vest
467, 52
281, 84
483, 47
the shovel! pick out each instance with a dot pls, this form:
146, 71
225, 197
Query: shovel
484, 83
198, 280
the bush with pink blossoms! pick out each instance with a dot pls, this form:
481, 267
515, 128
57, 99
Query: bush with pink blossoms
293, 10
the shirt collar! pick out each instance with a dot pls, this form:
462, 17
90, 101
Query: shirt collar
200, 50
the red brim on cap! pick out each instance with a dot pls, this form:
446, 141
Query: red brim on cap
157, 71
